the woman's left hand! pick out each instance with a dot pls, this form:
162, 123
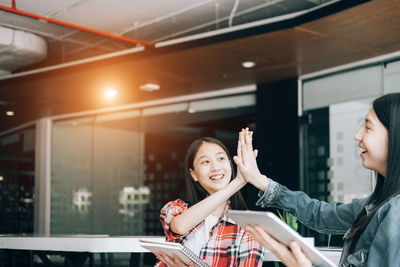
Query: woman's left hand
173, 261
292, 257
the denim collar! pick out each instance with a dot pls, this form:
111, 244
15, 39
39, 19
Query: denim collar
369, 208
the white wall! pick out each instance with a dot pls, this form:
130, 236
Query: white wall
349, 179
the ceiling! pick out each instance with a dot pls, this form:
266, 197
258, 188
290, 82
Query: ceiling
334, 33
148, 22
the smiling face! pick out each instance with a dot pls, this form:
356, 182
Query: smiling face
373, 141
211, 167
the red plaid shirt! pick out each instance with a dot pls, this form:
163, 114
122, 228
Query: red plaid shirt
229, 245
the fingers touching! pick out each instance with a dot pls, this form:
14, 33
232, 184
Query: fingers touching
246, 160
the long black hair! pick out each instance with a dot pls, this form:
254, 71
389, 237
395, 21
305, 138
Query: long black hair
194, 191
387, 109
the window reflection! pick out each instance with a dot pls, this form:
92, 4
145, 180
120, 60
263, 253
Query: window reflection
131, 199
82, 200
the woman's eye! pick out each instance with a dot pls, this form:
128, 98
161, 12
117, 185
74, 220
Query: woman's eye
204, 162
221, 158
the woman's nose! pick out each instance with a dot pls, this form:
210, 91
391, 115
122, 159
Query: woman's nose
215, 166
358, 135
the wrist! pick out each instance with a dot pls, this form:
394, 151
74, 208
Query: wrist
238, 182
263, 182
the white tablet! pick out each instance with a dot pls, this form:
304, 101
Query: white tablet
280, 231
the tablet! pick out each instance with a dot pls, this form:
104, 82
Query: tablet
280, 231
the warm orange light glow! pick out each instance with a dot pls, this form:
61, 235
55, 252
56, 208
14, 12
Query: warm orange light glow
110, 93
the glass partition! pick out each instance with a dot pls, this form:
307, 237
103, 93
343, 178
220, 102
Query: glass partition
112, 173
17, 181
97, 177
332, 169
348, 178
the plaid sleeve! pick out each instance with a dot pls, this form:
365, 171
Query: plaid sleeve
168, 212
160, 264
250, 253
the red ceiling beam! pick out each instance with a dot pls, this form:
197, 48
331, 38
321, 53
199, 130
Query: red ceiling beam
14, 10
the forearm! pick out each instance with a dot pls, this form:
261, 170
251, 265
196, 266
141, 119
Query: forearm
329, 218
191, 217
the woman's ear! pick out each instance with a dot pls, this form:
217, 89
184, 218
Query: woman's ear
193, 174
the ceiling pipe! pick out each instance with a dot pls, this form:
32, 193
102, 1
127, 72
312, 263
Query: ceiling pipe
18, 49
14, 10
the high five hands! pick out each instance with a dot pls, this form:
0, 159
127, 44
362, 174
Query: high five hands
247, 168
246, 161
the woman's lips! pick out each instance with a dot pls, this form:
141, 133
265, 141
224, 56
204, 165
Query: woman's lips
216, 177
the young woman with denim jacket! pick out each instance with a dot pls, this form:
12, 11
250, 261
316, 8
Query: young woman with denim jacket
371, 226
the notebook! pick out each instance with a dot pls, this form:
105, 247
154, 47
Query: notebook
185, 254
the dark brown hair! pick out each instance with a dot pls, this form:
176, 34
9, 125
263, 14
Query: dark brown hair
194, 191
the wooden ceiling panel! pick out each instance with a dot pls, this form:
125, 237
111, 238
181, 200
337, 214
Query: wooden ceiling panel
374, 25
358, 33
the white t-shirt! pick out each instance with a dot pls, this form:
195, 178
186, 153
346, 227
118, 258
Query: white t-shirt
197, 240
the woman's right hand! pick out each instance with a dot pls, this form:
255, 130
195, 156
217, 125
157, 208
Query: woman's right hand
291, 257
246, 161
173, 261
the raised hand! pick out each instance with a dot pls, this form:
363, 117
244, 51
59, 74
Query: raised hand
246, 161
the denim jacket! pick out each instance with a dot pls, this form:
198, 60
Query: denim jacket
378, 245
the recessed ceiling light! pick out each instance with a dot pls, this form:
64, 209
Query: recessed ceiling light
248, 64
10, 113
191, 110
1, 178
149, 87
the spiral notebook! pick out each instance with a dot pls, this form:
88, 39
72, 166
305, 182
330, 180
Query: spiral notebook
185, 254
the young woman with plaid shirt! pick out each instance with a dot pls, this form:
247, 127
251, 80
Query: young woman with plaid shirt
201, 224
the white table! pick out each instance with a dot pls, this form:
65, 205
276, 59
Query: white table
81, 244
103, 244
76, 243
